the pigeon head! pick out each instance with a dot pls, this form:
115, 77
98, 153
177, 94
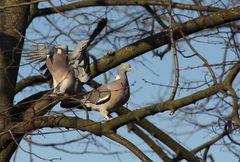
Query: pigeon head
63, 48
60, 59
125, 67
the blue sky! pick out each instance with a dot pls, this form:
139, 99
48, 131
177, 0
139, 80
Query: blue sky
143, 93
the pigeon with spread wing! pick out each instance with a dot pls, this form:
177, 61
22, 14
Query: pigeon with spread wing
66, 70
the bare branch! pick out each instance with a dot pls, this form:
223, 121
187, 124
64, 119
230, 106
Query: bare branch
211, 142
94, 3
161, 136
138, 48
156, 17
233, 72
235, 98
202, 58
29, 81
175, 57
133, 148
147, 44
149, 141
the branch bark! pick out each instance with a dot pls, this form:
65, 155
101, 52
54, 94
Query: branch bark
94, 3
29, 81
14, 22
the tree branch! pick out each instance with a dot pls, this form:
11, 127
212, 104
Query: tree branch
133, 148
233, 72
95, 3
156, 17
211, 142
149, 142
162, 136
29, 81
147, 44
136, 115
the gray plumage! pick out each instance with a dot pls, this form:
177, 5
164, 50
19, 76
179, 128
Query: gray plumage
40, 53
62, 73
76, 63
59, 62
108, 97
79, 61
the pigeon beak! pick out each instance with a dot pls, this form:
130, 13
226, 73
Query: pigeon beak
130, 69
59, 51
51, 57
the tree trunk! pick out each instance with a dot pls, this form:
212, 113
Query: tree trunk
13, 23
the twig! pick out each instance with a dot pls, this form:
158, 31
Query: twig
133, 148
29, 81
94, 3
156, 17
175, 57
201, 57
19, 146
149, 142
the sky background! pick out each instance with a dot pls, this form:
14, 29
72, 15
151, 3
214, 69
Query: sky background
146, 68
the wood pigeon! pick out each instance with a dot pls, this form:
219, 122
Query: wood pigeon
108, 97
65, 71
75, 62
62, 74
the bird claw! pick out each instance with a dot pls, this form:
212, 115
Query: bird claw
55, 94
108, 117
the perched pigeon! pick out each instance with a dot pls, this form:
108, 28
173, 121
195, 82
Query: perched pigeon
107, 97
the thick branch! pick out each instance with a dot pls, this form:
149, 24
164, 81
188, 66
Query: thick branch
95, 3
48, 121
29, 81
233, 72
6, 154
